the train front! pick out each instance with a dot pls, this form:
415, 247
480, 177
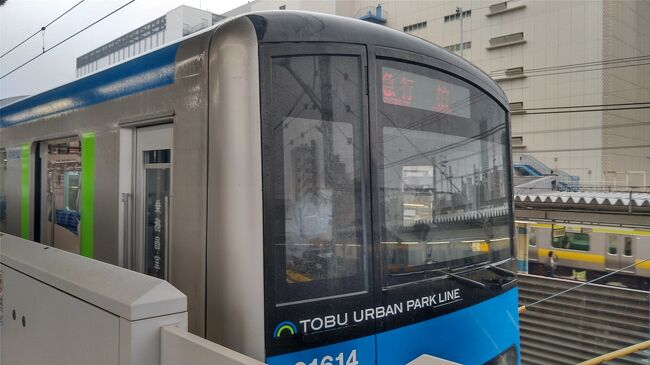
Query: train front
388, 223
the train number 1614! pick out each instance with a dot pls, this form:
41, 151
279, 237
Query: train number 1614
329, 360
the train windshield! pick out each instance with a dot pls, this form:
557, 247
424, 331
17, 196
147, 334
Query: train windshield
314, 163
441, 147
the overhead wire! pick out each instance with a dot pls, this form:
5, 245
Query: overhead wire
42, 29
525, 74
66, 39
578, 65
584, 110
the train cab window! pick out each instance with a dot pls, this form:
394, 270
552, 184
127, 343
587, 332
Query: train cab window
442, 176
313, 161
627, 246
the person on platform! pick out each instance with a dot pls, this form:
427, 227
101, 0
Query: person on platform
551, 264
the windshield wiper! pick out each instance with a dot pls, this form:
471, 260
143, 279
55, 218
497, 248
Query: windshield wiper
501, 271
447, 272
463, 279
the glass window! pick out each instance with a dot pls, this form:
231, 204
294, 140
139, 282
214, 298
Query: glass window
627, 246
558, 236
3, 193
442, 176
612, 244
157, 169
313, 158
570, 240
532, 237
71, 186
62, 201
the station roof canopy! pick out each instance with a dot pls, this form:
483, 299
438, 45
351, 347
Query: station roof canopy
593, 199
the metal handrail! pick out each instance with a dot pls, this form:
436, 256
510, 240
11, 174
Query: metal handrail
617, 354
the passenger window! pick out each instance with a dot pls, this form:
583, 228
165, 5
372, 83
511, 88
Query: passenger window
578, 241
613, 245
627, 246
532, 239
558, 237
570, 240
313, 160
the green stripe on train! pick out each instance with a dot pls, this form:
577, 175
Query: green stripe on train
24, 190
87, 193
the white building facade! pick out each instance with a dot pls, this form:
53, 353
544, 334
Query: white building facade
175, 24
561, 63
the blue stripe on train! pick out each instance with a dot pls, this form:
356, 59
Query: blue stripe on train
469, 336
146, 72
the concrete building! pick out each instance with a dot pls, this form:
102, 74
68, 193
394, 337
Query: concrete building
175, 24
552, 58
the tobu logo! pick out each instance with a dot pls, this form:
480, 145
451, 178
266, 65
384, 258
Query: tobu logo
284, 328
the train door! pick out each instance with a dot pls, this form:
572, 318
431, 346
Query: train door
620, 252
59, 179
152, 192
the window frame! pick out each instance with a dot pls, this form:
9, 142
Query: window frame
626, 240
401, 292
298, 310
383, 53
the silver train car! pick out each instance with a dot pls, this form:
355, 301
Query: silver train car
594, 250
321, 188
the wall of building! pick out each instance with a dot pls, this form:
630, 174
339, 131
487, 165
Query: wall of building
176, 24
626, 34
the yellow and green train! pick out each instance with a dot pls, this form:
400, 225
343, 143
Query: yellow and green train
589, 250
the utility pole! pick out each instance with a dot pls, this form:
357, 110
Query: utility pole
459, 11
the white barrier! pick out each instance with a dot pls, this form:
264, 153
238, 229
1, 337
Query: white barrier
180, 347
58, 308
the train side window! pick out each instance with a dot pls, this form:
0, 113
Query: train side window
558, 234
578, 241
313, 158
532, 237
570, 240
627, 246
613, 244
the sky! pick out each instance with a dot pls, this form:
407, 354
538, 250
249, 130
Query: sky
21, 18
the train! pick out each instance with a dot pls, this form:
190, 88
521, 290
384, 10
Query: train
587, 252
324, 190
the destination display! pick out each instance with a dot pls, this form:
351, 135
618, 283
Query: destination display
417, 91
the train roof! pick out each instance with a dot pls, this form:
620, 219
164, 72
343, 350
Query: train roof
157, 68
278, 26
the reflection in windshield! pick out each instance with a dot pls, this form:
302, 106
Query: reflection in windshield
443, 184
313, 163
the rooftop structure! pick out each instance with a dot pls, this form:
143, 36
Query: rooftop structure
175, 24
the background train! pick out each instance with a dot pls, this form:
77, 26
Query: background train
590, 251
324, 190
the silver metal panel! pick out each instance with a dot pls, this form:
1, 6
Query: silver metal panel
235, 283
581, 324
187, 98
